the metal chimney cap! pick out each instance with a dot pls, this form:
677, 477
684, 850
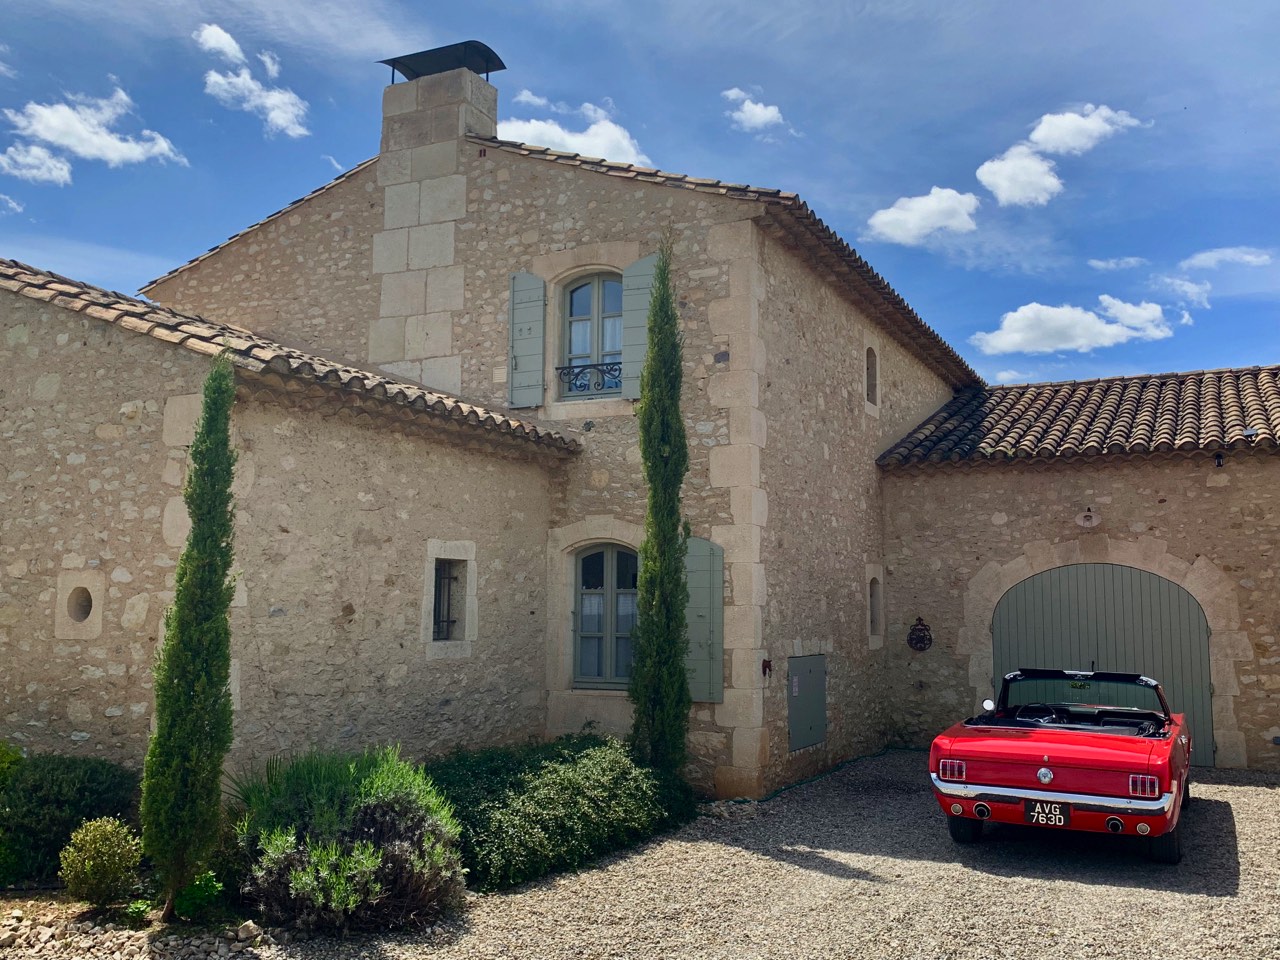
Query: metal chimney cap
472, 54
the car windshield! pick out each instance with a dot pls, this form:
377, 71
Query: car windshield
1082, 690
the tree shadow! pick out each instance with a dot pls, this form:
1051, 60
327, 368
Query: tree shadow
887, 810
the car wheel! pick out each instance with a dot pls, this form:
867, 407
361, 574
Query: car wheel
1167, 848
963, 829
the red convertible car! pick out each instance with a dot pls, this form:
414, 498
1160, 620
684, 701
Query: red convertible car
1071, 750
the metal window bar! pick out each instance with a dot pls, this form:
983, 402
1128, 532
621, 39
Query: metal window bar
442, 628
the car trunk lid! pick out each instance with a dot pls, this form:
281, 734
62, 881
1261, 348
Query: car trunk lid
1080, 762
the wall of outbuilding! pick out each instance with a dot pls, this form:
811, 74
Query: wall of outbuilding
336, 517
957, 537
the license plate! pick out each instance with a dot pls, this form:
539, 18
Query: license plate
1044, 814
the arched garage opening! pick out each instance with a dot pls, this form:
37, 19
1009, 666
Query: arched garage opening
1105, 616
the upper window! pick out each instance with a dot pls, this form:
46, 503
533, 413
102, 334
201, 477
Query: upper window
873, 377
605, 616
875, 608
592, 353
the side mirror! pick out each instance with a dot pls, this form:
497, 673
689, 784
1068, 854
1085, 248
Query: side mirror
988, 705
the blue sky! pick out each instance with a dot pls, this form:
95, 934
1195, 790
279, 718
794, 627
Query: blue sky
1063, 191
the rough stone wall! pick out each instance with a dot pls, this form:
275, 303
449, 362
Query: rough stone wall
89, 480
335, 521
821, 544
303, 278
956, 538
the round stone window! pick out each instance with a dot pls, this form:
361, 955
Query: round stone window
79, 604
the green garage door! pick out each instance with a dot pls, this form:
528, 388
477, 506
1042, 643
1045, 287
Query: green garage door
1103, 616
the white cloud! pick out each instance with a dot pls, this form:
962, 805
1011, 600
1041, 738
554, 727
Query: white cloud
1196, 294
270, 63
531, 99
1020, 177
912, 219
34, 163
282, 110
9, 205
1012, 376
213, 39
751, 116
603, 138
5, 70
336, 165
1212, 259
82, 128
1185, 320
1076, 132
1118, 263
1036, 328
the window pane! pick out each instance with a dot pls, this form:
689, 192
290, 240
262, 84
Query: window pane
593, 571
622, 658
580, 301
612, 296
612, 339
591, 613
627, 566
590, 661
580, 338
626, 614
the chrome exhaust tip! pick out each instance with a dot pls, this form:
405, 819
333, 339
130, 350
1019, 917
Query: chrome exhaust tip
1115, 824
982, 811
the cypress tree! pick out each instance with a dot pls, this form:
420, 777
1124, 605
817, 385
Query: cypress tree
182, 775
659, 686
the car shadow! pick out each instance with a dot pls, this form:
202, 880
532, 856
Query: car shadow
888, 810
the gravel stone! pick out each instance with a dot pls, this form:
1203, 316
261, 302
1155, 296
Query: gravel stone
856, 864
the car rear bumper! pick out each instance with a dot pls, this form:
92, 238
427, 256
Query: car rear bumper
1083, 802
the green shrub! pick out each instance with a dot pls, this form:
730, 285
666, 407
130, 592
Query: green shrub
10, 757
340, 841
49, 796
198, 899
100, 864
528, 811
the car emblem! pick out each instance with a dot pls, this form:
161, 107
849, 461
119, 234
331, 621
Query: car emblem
1044, 775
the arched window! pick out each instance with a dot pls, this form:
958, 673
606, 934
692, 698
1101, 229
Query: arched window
873, 377
875, 612
592, 336
605, 615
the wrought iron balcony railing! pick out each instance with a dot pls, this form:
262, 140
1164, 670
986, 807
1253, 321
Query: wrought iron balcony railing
586, 379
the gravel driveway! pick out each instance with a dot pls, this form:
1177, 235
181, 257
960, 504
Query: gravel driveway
859, 864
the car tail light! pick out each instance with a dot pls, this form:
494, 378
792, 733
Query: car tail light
1143, 786
951, 769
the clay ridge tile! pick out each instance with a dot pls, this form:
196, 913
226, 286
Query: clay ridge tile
255, 353
1160, 413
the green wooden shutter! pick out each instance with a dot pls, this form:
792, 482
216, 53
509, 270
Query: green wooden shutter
528, 335
636, 281
704, 570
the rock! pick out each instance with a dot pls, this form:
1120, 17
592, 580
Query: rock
248, 930
7, 938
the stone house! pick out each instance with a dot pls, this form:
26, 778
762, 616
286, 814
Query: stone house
439, 496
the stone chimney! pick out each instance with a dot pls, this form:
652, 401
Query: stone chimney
425, 122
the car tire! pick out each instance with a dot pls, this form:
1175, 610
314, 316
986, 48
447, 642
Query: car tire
1186, 793
1167, 848
964, 829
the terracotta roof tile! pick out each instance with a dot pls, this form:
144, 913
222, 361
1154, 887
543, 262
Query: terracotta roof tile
1125, 416
255, 353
